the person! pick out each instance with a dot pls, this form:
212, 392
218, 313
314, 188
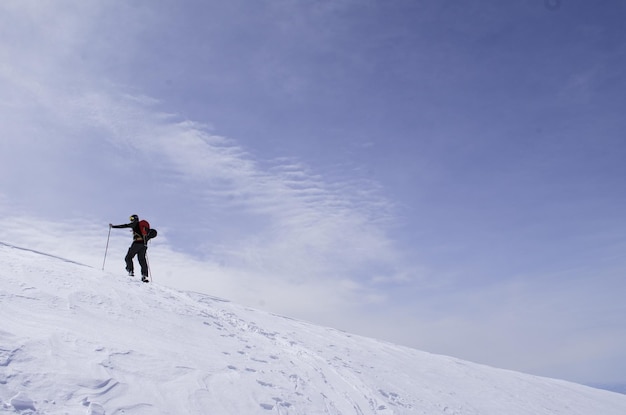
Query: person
138, 247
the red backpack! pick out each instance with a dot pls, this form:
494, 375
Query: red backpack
146, 231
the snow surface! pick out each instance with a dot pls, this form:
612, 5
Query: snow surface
77, 340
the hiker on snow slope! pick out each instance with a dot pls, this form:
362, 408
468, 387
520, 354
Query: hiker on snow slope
139, 246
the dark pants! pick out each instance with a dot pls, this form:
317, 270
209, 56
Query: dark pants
139, 249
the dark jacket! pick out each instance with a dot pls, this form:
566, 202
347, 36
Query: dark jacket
137, 236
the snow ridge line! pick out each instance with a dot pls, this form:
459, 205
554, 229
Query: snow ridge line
43, 253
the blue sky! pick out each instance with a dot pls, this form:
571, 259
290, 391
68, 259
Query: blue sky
446, 175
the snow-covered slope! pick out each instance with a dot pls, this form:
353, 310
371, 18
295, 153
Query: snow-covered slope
76, 340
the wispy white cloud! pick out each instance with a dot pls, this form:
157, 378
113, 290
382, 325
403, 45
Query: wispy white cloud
294, 207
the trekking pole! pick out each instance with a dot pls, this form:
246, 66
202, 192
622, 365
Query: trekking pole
106, 249
148, 265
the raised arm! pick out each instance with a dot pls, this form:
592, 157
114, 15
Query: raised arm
126, 225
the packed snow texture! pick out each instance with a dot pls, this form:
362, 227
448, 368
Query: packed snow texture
77, 340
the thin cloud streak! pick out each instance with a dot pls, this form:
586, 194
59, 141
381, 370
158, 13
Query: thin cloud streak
334, 214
